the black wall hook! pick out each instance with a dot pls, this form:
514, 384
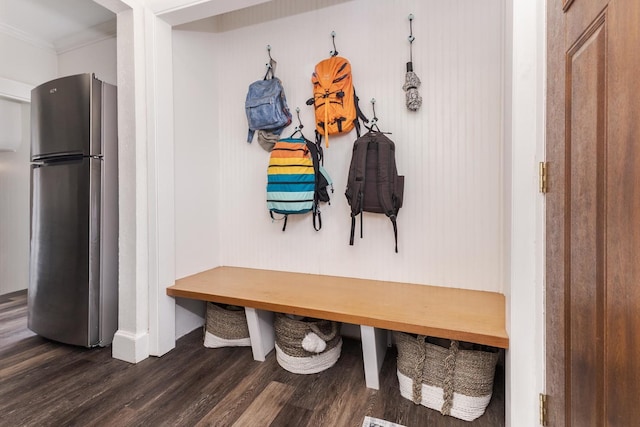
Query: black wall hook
298, 129
271, 65
373, 107
373, 124
334, 52
300, 125
271, 60
411, 39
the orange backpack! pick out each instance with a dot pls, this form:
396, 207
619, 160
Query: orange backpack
334, 98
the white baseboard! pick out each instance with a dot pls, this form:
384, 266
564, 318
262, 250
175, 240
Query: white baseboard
130, 347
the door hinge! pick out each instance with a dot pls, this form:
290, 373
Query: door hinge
543, 409
542, 171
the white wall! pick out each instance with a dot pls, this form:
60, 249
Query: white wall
196, 160
98, 58
14, 211
451, 226
25, 63
34, 64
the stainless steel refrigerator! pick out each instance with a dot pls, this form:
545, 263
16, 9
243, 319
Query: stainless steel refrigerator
73, 283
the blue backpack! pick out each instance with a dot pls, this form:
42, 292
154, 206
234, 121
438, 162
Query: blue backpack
296, 182
266, 106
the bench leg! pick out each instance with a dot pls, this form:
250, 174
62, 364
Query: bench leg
261, 332
374, 348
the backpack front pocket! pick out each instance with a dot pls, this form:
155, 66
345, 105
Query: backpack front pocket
265, 113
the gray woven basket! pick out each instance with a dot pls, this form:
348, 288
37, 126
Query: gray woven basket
452, 380
228, 322
291, 355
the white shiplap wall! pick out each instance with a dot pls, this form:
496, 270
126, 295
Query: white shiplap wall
196, 156
451, 226
25, 65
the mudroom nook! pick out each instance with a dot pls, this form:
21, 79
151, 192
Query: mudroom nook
451, 228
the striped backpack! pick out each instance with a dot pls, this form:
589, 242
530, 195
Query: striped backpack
296, 182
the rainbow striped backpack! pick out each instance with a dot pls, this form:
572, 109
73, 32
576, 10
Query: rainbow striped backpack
296, 181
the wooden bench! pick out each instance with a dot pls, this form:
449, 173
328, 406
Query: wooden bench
377, 306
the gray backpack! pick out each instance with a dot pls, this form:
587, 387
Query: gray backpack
374, 184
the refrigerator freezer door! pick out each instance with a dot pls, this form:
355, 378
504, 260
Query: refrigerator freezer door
67, 113
64, 292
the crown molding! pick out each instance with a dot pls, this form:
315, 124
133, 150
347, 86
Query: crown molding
177, 12
91, 35
25, 37
77, 40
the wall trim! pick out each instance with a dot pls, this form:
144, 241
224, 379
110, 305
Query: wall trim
177, 12
129, 347
89, 36
25, 37
160, 184
15, 91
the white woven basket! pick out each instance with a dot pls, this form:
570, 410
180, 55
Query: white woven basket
306, 346
226, 326
213, 341
311, 364
453, 381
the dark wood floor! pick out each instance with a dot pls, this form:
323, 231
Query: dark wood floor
43, 383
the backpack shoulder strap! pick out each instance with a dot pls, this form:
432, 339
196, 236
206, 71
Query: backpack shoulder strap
355, 190
314, 152
359, 114
386, 176
359, 166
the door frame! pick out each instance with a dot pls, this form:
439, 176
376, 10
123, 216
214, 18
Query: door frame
525, 66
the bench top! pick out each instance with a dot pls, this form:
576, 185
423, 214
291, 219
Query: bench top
460, 314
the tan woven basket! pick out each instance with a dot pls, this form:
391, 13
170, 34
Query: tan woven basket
454, 381
290, 335
226, 326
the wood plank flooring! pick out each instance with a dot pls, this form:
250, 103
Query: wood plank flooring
43, 383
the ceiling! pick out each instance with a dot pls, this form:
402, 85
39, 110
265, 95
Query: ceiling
57, 24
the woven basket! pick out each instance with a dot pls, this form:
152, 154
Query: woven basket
226, 326
293, 336
452, 380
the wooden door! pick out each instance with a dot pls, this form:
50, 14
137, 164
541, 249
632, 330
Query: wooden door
593, 213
